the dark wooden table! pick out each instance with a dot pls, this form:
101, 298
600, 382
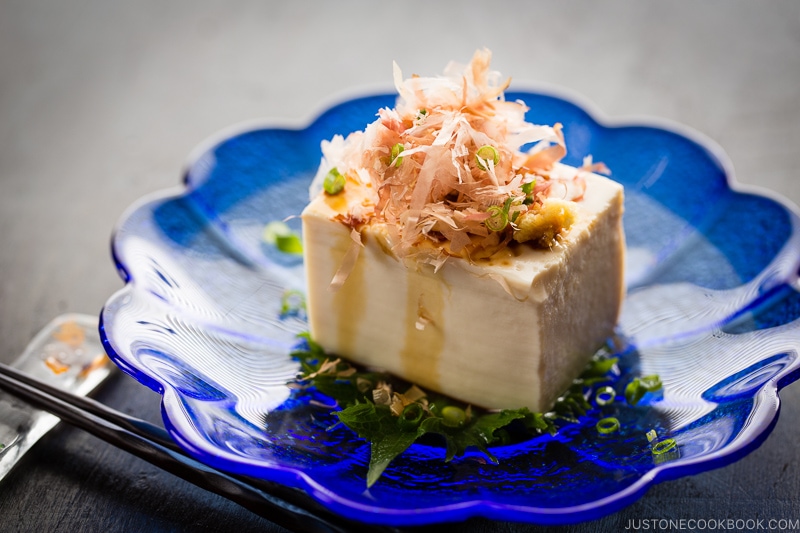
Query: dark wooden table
101, 102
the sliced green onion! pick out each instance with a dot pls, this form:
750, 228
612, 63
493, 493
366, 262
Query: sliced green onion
651, 383
638, 387
665, 450
282, 237
498, 218
484, 154
634, 391
396, 150
334, 182
664, 446
527, 189
599, 367
422, 113
411, 416
453, 416
605, 396
292, 301
607, 425
289, 244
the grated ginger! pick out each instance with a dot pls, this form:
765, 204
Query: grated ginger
543, 226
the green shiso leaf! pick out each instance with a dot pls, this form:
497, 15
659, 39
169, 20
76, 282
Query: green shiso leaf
393, 422
380, 427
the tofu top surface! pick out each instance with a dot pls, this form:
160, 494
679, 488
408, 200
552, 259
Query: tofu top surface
515, 266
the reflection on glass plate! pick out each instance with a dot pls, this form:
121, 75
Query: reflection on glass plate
712, 308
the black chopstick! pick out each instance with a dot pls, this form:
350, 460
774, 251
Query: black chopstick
287, 507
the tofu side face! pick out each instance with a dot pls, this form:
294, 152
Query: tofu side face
509, 332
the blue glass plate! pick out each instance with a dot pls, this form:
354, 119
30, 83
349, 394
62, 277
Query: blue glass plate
712, 307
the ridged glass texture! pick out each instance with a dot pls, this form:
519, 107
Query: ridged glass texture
712, 307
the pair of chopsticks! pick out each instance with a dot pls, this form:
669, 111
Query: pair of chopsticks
287, 507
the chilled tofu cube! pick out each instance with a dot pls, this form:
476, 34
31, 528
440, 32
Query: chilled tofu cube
507, 332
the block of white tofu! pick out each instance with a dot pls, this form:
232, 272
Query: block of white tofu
512, 331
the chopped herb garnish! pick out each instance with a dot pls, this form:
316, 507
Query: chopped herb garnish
599, 367
664, 446
605, 395
292, 302
370, 404
634, 391
290, 244
663, 450
498, 219
411, 416
334, 182
651, 383
527, 189
453, 417
498, 216
395, 158
638, 387
280, 235
485, 154
607, 425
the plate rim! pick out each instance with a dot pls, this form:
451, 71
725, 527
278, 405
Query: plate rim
481, 506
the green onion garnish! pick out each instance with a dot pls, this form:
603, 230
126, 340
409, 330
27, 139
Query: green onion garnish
527, 189
411, 416
292, 302
634, 391
599, 367
282, 237
422, 113
637, 388
651, 383
334, 182
664, 446
607, 425
396, 160
391, 431
289, 244
665, 450
486, 153
605, 396
498, 218
453, 416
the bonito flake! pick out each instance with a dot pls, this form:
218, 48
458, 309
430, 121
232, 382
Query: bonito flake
445, 170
